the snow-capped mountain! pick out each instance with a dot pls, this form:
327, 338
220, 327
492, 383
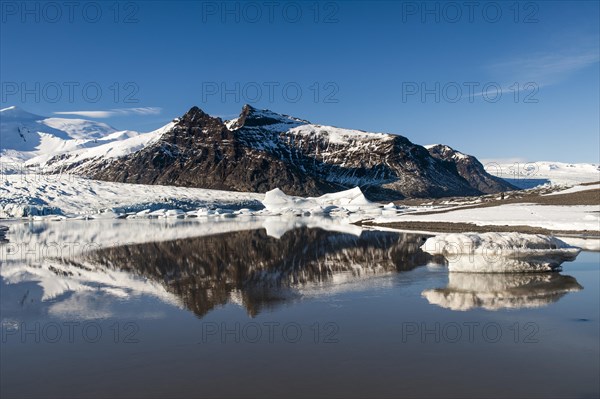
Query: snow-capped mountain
30, 139
470, 169
262, 150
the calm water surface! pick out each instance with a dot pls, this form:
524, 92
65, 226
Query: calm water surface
304, 307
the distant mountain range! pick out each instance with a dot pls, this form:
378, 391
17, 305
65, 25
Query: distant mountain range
258, 151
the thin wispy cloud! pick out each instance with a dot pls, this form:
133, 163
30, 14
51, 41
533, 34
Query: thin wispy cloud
530, 72
545, 68
114, 112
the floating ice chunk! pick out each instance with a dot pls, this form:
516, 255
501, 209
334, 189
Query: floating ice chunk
157, 213
243, 212
467, 291
353, 200
175, 213
202, 212
108, 214
191, 214
501, 252
84, 217
276, 200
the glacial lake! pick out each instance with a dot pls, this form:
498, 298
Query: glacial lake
281, 308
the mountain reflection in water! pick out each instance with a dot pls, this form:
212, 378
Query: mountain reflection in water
248, 267
257, 270
496, 291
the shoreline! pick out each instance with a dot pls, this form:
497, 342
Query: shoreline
454, 227
586, 197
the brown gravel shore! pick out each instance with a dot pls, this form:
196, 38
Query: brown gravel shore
587, 197
449, 227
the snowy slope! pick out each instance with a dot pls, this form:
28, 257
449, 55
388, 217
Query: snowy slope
29, 139
108, 149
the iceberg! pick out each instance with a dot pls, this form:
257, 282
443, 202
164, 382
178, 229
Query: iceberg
501, 252
353, 200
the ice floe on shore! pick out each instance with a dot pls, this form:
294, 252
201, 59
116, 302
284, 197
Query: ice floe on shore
500, 252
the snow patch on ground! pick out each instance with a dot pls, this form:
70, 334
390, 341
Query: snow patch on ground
551, 217
576, 189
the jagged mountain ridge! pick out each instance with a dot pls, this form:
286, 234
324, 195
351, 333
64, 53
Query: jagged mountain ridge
262, 150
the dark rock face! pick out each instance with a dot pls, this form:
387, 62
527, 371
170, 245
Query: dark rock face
262, 150
471, 170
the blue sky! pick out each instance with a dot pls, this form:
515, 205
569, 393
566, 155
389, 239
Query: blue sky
502, 80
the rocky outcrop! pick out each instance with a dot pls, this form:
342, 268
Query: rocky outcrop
470, 169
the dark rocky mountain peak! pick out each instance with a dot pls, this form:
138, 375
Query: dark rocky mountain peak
252, 117
195, 117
